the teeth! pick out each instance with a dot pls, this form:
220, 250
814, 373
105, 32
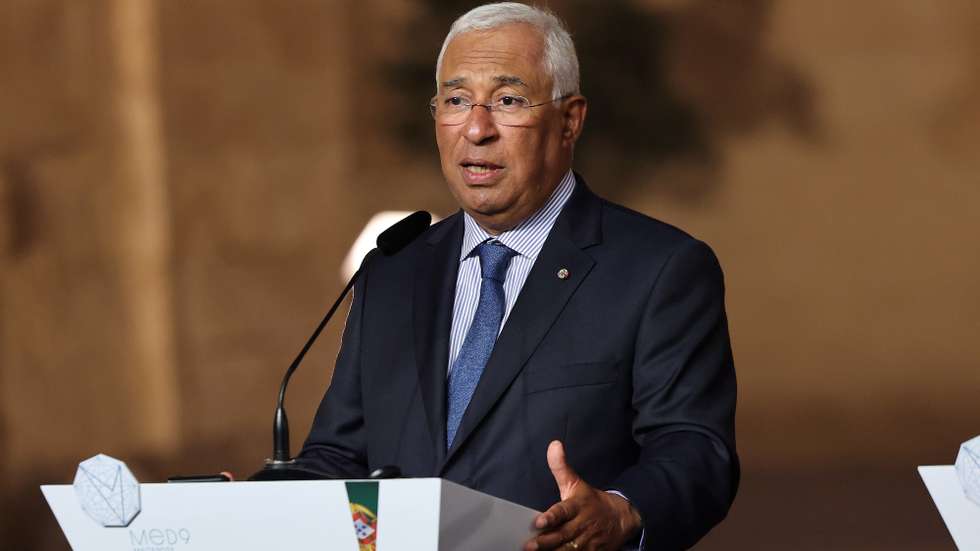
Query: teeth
477, 169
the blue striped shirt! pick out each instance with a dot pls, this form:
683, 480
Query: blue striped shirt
526, 239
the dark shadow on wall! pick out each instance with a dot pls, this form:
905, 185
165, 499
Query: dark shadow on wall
666, 85
20, 206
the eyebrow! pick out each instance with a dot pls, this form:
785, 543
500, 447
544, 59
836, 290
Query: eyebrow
501, 79
452, 83
512, 80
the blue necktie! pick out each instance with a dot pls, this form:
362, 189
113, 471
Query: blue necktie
482, 334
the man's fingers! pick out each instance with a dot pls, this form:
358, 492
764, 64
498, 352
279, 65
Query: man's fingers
556, 515
565, 477
556, 539
557, 535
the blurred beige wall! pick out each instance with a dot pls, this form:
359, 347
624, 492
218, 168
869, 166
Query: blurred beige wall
180, 181
851, 262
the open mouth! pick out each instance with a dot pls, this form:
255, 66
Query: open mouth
477, 171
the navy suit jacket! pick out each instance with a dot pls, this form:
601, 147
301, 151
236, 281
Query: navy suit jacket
627, 361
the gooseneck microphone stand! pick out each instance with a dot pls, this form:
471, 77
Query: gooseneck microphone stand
281, 466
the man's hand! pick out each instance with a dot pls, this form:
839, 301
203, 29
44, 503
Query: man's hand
585, 518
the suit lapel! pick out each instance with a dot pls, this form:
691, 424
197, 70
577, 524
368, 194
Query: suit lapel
539, 304
432, 310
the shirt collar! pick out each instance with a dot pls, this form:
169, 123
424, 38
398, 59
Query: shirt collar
527, 238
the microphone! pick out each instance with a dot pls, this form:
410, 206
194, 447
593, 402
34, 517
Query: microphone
403, 232
282, 466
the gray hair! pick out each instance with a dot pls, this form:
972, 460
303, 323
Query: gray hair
560, 60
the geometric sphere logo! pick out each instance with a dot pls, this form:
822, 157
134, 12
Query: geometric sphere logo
107, 491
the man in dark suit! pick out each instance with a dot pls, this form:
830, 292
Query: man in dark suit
542, 345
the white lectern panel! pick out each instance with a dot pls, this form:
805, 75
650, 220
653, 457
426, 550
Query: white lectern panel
219, 515
413, 515
962, 516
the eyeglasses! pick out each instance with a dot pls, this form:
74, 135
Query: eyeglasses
505, 110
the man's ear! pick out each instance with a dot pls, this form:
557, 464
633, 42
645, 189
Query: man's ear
573, 121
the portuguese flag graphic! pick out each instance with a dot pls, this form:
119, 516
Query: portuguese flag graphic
363, 498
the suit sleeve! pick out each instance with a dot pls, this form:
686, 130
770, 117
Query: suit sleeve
336, 446
686, 476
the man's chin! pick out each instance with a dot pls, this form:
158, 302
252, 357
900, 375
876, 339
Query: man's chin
484, 210
484, 199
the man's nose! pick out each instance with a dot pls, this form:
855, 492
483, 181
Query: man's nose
480, 127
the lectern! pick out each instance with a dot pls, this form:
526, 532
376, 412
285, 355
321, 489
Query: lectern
411, 515
962, 516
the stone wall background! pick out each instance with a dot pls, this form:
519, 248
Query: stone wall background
180, 181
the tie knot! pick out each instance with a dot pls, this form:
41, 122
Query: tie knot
494, 259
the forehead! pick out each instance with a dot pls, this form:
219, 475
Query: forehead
481, 57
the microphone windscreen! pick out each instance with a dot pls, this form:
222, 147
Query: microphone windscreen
403, 232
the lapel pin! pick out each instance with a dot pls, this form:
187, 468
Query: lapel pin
563, 273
